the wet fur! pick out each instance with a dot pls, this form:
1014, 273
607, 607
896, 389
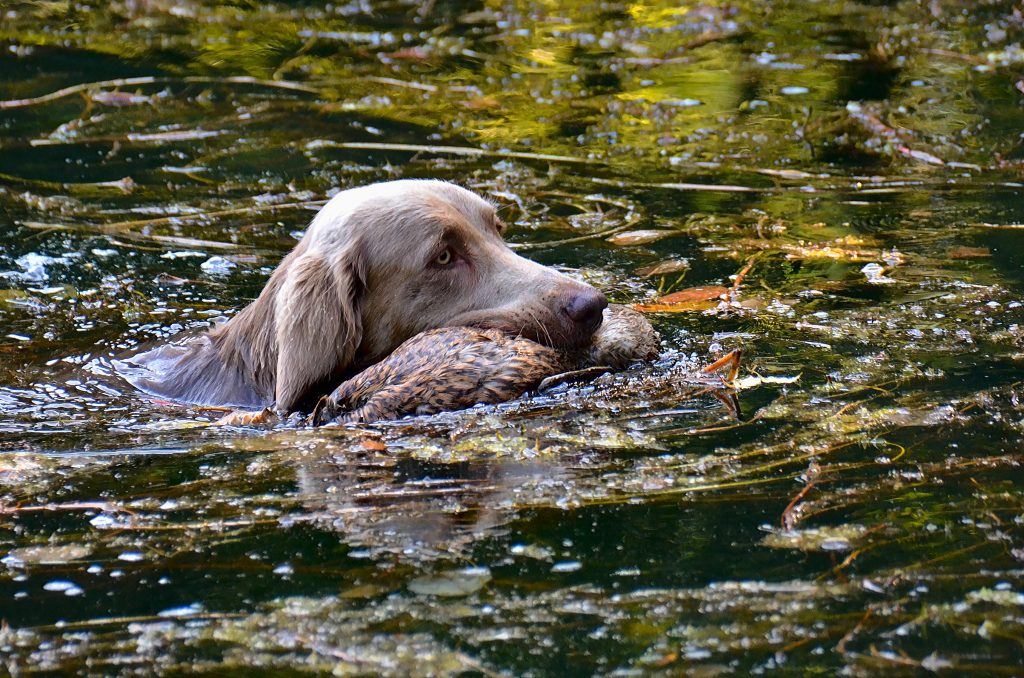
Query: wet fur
457, 367
358, 284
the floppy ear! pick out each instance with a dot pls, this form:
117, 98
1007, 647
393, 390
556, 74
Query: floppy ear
318, 324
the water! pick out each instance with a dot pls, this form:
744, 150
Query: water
860, 163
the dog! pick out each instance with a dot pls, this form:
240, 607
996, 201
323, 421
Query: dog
378, 265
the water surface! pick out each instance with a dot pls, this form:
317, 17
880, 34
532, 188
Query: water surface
851, 173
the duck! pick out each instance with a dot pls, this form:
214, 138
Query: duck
454, 368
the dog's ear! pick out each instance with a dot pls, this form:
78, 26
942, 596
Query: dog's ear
318, 321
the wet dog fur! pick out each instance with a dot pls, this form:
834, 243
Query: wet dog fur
378, 265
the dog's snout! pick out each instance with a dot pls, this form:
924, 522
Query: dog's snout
585, 308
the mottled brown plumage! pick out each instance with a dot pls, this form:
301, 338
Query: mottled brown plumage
457, 367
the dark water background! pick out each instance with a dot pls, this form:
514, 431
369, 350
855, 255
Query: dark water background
863, 162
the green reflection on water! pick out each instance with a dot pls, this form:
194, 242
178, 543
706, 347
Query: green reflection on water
866, 517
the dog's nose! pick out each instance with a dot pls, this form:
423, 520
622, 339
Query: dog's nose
585, 308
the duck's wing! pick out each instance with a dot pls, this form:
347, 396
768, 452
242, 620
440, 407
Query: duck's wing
441, 370
425, 365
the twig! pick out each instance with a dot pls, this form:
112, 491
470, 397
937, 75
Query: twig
152, 80
729, 427
171, 240
730, 359
395, 82
213, 525
122, 226
453, 150
727, 188
889, 657
857, 553
139, 619
628, 223
848, 636
985, 225
743, 274
969, 58
789, 519
68, 506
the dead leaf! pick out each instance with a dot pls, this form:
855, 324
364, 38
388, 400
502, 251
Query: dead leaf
675, 308
409, 54
641, 237
691, 299
168, 279
921, 156
691, 294
118, 98
964, 252
373, 444
663, 267
481, 103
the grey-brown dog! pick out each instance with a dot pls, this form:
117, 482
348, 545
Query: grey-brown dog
379, 264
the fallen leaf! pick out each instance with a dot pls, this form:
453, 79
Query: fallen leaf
922, 156
168, 279
785, 173
663, 267
409, 54
47, 554
691, 299
481, 103
373, 444
676, 308
362, 592
118, 98
753, 381
965, 252
694, 294
641, 237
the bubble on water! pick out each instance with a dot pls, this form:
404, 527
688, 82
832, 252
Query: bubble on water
105, 520
183, 611
34, 267
875, 274
835, 545
68, 588
682, 103
567, 566
218, 265
183, 254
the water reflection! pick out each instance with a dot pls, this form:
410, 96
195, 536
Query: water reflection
416, 510
862, 160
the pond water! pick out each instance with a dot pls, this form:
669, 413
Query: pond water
850, 177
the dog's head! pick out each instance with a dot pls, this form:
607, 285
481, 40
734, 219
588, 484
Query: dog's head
384, 262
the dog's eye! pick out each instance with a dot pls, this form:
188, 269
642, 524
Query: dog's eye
444, 258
